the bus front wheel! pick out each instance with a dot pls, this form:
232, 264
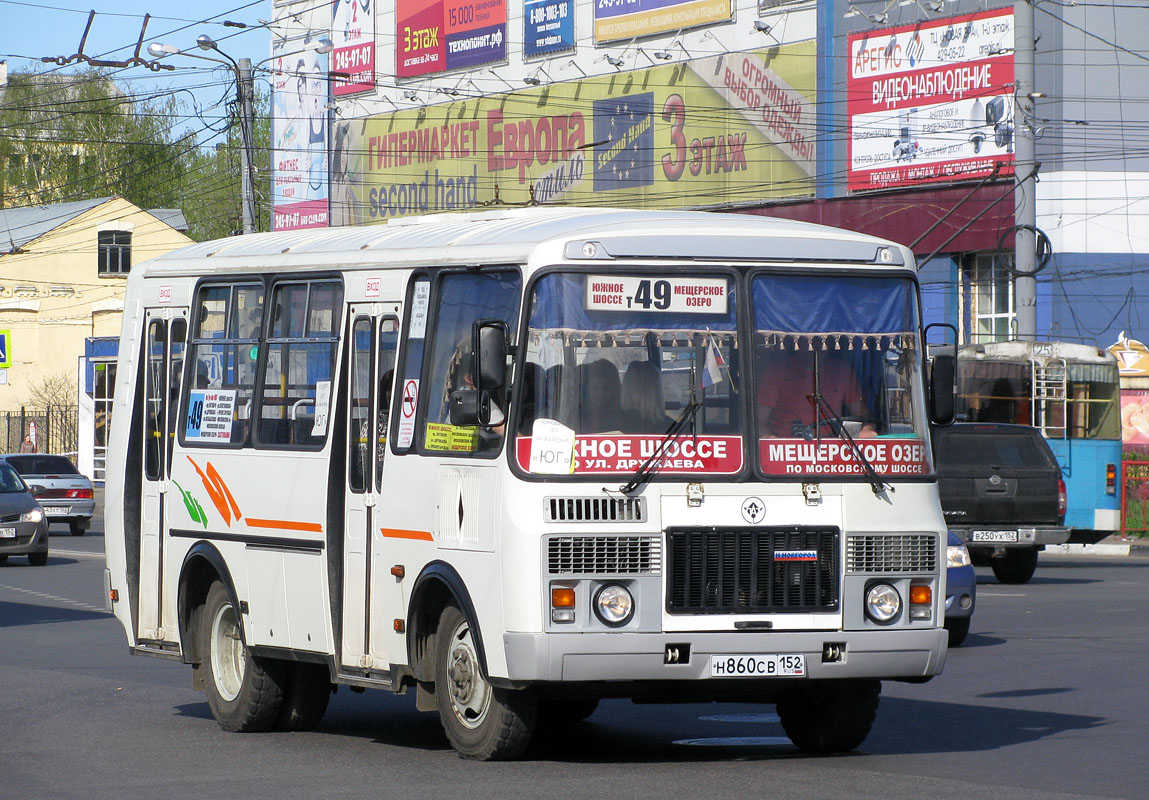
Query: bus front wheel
245, 693
482, 722
830, 716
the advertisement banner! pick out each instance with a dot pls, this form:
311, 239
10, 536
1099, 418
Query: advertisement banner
731, 128
298, 135
435, 36
626, 19
353, 59
931, 102
1135, 416
836, 457
548, 27
716, 455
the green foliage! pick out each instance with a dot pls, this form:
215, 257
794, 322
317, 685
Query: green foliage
79, 136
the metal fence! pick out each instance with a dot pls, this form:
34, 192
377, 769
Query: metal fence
56, 429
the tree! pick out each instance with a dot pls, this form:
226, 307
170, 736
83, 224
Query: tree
79, 136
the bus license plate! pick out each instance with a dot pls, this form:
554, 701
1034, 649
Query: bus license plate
55, 510
7, 533
758, 666
993, 536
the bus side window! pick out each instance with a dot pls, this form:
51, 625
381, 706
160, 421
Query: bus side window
388, 344
462, 300
297, 391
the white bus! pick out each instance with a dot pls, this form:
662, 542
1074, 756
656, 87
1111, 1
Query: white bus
522, 460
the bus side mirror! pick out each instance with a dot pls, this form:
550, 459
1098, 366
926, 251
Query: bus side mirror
943, 369
489, 351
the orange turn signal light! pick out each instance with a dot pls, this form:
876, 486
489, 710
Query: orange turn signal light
921, 595
562, 597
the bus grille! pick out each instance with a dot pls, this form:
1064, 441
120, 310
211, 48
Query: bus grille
741, 571
892, 553
604, 555
595, 509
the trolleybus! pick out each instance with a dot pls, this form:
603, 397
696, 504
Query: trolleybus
519, 461
1069, 392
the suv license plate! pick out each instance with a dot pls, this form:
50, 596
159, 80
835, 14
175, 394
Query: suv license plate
993, 536
55, 509
758, 666
7, 533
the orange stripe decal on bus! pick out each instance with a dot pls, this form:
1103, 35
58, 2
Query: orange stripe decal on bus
285, 524
395, 533
217, 491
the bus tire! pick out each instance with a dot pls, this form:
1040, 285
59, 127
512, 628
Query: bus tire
830, 716
1016, 566
482, 722
305, 697
566, 710
245, 693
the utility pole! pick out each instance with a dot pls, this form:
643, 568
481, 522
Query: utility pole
1025, 175
244, 88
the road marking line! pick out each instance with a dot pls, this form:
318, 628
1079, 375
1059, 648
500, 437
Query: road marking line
76, 553
57, 598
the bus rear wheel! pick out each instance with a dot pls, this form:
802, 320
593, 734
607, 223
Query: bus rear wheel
1016, 566
245, 693
482, 722
830, 716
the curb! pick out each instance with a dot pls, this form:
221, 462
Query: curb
1135, 549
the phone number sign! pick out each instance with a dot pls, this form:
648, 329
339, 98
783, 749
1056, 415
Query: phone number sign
438, 36
681, 295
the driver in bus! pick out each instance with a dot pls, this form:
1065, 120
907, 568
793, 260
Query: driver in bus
785, 394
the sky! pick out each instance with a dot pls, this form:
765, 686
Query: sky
32, 29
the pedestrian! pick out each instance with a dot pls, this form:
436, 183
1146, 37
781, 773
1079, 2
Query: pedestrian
27, 446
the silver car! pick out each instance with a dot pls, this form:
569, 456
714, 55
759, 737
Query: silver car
64, 493
23, 526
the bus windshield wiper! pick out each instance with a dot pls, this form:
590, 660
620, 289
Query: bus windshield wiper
839, 425
652, 462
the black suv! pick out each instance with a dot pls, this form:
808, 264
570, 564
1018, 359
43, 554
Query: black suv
1002, 494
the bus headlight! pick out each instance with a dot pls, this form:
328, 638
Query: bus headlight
883, 603
614, 605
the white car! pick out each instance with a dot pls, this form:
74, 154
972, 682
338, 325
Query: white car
61, 490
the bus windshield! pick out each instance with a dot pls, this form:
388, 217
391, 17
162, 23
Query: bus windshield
838, 376
612, 362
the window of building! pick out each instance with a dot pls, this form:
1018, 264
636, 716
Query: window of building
993, 311
114, 252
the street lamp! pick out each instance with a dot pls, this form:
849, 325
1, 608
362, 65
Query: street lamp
244, 91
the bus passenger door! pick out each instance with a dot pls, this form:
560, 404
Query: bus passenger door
165, 340
370, 375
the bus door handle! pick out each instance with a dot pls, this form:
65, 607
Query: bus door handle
369, 500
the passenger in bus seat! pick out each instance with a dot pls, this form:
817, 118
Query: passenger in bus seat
785, 394
601, 404
642, 399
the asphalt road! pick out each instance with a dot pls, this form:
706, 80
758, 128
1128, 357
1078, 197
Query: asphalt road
1046, 699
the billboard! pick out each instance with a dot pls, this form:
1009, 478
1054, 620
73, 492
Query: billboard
353, 59
299, 135
436, 36
548, 27
627, 19
931, 102
715, 131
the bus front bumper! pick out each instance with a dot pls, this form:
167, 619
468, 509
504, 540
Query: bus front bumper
882, 654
